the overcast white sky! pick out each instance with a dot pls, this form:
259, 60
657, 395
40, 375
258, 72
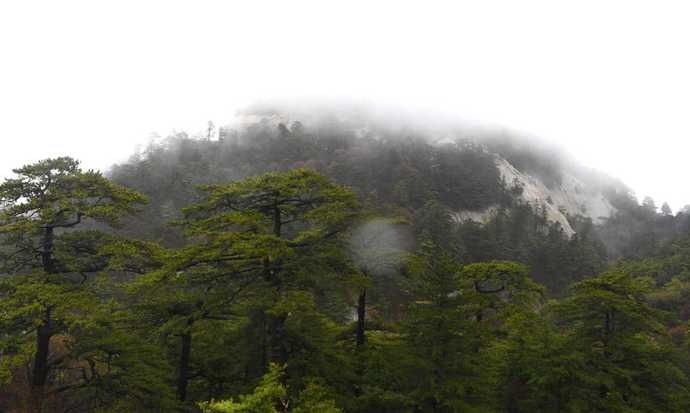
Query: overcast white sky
608, 80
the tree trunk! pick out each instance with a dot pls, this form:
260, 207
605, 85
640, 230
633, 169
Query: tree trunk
361, 317
39, 371
277, 222
360, 339
278, 350
265, 339
40, 368
183, 368
276, 323
47, 251
39, 374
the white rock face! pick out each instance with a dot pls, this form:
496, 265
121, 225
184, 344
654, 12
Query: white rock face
572, 196
476, 216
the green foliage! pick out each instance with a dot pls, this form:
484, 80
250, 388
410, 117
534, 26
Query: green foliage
629, 359
269, 394
55, 316
248, 307
316, 398
538, 372
523, 234
445, 339
56, 192
262, 250
499, 284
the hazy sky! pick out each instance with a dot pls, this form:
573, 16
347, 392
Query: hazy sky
608, 80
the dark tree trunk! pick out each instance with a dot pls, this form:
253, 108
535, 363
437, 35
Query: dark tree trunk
277, 221
40, 368
39, 374
265, 338
360, 338
361, 317
183, 368
276, 323
47, 251
278, 349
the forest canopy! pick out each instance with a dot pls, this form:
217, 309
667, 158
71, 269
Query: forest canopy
288, 267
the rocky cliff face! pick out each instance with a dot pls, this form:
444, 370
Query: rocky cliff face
572, 196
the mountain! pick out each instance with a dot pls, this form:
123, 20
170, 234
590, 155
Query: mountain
489, 194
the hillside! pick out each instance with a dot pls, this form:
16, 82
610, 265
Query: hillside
338, 264
510, 197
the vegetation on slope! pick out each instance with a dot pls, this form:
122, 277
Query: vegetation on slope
324, 272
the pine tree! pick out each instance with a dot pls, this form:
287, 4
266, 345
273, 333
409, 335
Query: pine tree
629, 363
50, 252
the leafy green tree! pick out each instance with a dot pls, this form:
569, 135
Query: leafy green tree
498, 288
49, 254
443, 339
453, 325
538, 372
435, 222
174, 302
276, 234
629, 363
270, 396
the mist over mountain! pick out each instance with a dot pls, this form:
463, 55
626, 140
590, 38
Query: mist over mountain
497, 195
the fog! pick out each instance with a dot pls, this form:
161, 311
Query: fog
377, 246
606, 81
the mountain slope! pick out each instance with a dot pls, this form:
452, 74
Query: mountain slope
478, 194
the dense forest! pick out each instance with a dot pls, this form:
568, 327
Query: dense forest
321, 266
